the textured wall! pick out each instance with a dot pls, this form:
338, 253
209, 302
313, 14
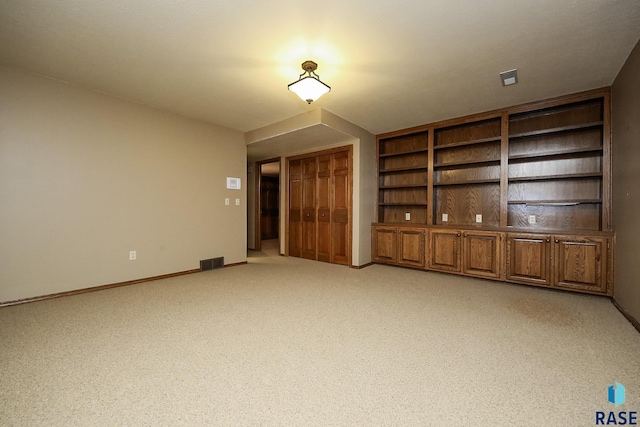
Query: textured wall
85, 178
626, 180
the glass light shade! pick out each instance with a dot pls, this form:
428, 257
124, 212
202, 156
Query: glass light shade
309, 88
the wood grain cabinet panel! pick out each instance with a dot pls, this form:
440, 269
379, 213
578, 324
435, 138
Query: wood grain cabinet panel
481, 254
581, 263
528, 259
411, 245
384, 242
444, 250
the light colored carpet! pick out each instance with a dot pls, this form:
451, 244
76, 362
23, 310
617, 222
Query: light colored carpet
291, 342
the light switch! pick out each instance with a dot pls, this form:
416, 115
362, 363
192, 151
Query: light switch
478, 217
226, 201
237, 202
445, 217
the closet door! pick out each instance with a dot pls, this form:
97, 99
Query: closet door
295, 208
309, 171
324, 208
340, 234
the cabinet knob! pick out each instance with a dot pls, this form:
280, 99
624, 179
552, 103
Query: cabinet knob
322, 214
458, 235
548, 240
557, 241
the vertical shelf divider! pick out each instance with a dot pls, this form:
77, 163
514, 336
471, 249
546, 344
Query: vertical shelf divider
504, 169
430, 194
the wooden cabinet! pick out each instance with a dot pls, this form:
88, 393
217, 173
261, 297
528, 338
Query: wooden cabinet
474, 253
528, 258
405, 246
445, 247
581, 263
578, 262
481, 254
568, 262
521, 194
411, 247
384, 244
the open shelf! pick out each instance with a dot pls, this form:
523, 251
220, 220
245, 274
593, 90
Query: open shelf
403, 153
403, 169
573, 202
404, 204
550, 159
467, 163
470, 142
400, 186
555, 177
553, 153
469, 182
555, 130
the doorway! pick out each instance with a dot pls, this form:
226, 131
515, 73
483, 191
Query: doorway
268, 205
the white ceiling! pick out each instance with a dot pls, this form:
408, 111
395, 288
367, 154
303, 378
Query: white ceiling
391, 65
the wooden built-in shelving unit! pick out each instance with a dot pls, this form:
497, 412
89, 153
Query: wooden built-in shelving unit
543, 167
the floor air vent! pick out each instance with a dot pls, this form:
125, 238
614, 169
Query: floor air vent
210, 264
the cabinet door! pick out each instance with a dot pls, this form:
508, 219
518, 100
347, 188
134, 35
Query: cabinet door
411, 247
529, 258
309, 249
384, 244
295, 208
581, 263
481, 254
341, 200
324, 208
444, 253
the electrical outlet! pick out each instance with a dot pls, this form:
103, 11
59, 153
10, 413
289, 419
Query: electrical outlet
407, 216
132, 255
445, 217
226, 201
478, 217
532, 219
237, 202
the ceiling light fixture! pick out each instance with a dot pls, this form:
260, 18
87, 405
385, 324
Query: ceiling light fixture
308, 86
509, 77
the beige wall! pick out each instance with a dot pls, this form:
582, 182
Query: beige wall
85, 178
626, 183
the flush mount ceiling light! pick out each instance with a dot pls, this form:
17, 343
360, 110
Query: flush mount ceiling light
509, 77
308, 86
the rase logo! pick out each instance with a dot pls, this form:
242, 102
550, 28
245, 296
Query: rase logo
616, 395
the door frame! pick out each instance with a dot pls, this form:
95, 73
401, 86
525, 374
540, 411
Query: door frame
340, 149
258, 186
